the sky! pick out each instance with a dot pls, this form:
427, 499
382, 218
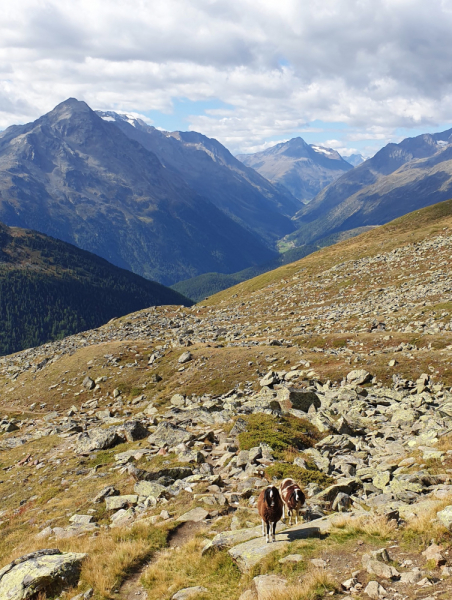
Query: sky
348, 74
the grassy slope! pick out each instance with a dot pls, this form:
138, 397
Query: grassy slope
410, 228
198, 288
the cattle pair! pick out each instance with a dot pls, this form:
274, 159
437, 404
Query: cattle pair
272, 503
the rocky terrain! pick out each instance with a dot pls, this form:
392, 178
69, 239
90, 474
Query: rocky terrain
132, 455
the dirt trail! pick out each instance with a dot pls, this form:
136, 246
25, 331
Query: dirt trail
132, 589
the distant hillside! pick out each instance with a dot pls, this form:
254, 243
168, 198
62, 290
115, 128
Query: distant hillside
198, 288
408, 229
400, 178
302, 168
50, 289
214, 173
76, 177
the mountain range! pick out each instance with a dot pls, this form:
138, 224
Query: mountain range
50, 289
213, 172
400, 178
302, 168
77, 177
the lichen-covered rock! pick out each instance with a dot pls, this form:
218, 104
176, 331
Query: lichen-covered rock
445, 517
299, 399
168, 434
47, 571
135, 430
98, 439
150, 488
358, 377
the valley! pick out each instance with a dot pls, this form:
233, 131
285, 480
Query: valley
163, 425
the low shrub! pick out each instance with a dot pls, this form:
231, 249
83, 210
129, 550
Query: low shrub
303, 477
280, 433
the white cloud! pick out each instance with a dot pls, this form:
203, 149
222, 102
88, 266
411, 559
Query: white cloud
277, 65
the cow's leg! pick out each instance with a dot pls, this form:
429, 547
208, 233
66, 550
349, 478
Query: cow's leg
290, 516
296, 516
283, 511
263, 527
268, 532
274, 531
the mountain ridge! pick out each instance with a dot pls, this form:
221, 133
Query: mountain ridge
400, 178
304, 169
76, 177
213, 172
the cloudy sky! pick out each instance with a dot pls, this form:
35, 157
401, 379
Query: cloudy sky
351, 74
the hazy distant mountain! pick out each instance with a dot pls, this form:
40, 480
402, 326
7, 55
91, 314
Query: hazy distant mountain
400, 178
355, 159
50, 289
211, 170
302, 168
74, 176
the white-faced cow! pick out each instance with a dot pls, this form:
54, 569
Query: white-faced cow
292, 497
270, 507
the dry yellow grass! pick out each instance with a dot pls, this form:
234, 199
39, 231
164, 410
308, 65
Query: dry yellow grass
424, 528
315, 584
371, 525
175, 569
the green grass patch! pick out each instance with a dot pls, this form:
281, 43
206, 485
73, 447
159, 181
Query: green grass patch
280, 433
303, 477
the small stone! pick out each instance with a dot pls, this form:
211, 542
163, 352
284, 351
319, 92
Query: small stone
412, 577
291, 558
433, 552
375, 591
190, 593
319, 563
349, 583
185, 357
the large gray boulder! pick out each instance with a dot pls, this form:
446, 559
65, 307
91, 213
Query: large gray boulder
98, 439
135, 430
290, 398
358, 377
48, 571
169, 435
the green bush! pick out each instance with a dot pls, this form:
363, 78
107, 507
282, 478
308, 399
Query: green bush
302, 476
280, 433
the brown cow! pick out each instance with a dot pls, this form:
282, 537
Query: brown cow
292, 497
270, 507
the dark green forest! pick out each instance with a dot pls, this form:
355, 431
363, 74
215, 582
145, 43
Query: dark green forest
50, 289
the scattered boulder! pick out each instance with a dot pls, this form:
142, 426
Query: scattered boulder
196, 515
445, 517
185, 358
134, 430
358, 377
98, 439
46, 571
303, 400
168, 434
268, 586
